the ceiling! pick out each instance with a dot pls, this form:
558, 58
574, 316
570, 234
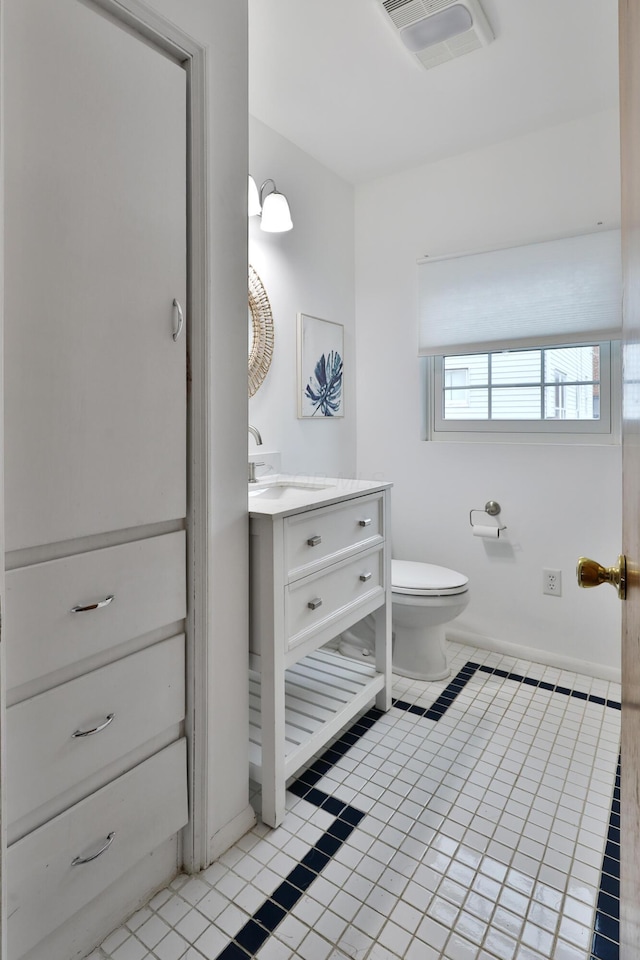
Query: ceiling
333, 77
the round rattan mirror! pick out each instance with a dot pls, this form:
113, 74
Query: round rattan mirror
261, 335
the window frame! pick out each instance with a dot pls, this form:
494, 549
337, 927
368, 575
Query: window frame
606, 430
560, 395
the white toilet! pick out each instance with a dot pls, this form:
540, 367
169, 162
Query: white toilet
425, 597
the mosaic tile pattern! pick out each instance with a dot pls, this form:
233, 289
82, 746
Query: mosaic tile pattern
473, 821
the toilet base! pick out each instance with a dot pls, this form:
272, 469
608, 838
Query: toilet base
421, 676
413, 653
358, 649
419, 652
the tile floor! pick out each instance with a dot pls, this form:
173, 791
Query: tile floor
473, 821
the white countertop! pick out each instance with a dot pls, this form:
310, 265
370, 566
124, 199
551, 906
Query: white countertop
285, 494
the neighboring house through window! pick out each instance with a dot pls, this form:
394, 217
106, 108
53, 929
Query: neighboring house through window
534, 390
456, 380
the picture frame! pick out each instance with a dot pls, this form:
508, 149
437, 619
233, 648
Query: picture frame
320, 368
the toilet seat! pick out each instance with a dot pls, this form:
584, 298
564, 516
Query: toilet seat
412, 578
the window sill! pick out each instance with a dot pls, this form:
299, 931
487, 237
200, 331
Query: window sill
575, 439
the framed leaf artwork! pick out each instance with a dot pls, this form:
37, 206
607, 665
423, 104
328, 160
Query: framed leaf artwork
320, 368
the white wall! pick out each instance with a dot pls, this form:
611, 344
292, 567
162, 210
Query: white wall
559, 502
310, 270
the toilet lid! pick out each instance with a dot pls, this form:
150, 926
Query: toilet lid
426, 579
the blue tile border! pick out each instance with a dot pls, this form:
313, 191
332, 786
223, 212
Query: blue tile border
278, 905
446, 698
553, 688
606, 927
256, 931
451, 691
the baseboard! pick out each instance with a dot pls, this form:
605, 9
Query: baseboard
535, 654
220, 842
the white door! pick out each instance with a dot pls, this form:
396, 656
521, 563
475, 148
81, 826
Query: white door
95, 214
630, 758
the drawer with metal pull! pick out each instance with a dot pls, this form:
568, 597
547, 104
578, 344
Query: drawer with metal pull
66, 863
317, 600
64, 735
318, 537
64, 610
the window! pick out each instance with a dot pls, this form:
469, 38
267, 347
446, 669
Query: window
521, 342
556, 389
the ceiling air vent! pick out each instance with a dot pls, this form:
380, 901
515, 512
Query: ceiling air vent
439, 30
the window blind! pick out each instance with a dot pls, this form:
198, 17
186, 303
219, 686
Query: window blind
555, 291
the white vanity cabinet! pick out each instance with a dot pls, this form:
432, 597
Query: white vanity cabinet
318, 564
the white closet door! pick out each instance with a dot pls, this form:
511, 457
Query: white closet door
95, 143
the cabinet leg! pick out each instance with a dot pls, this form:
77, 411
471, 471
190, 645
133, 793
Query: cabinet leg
273, 739
273, 804
383, 654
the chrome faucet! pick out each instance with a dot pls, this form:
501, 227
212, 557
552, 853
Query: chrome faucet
255, 433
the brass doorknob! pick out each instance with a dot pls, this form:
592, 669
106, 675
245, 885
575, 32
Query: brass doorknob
590, 573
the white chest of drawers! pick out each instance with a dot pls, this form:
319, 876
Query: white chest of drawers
95, 746
316, 568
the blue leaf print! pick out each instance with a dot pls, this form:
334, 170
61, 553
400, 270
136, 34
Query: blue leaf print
324, 390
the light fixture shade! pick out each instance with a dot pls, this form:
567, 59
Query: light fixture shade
437, 27
254, 199
276, 216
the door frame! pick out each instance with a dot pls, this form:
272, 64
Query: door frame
629, 41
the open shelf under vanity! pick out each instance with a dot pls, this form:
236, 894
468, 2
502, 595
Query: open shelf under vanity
322, 693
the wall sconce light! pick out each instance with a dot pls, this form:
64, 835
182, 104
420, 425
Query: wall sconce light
254, 199
272, 208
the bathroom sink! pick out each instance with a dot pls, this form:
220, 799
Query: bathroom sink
277, 488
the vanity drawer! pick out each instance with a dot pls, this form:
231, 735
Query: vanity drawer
144, 693
146, 580
141, 809
318, 537
345, 585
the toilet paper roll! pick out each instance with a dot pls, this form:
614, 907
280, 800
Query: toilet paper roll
489, 533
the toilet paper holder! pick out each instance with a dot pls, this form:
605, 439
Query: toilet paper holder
492, 508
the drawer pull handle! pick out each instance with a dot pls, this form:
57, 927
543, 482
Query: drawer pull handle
94, 606
90, 733
365, 523
314, 604
314, 541
365, 576
78, 860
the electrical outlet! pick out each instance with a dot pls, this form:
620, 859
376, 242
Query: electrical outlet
552, 582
